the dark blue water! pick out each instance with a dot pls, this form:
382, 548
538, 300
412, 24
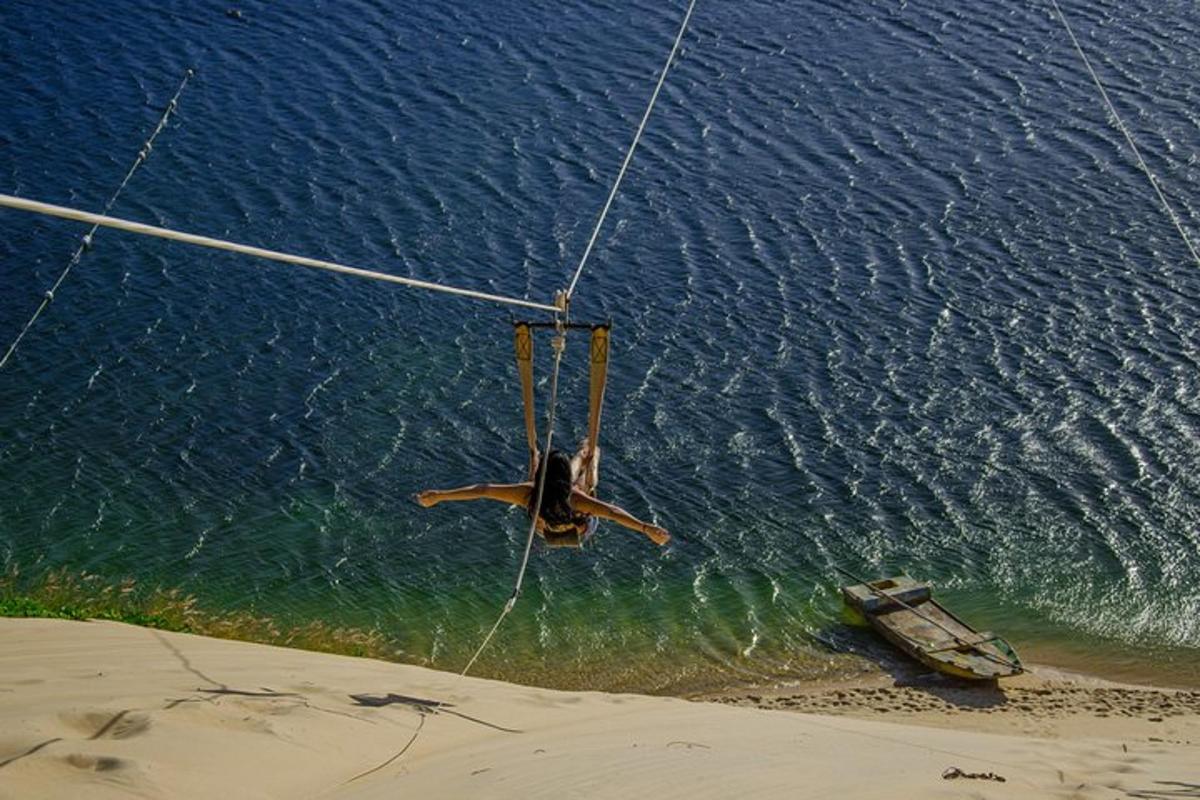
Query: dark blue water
888, 291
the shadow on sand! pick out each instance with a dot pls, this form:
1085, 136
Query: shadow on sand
907, 672
422, 707
1180, 790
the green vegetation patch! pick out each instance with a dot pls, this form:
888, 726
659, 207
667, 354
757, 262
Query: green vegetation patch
83, 596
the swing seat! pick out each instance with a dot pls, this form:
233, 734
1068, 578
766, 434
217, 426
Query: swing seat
565, 539
570, 538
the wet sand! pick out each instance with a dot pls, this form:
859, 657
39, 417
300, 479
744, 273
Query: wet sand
1043, 702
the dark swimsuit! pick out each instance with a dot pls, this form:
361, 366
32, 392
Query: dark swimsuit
569, 534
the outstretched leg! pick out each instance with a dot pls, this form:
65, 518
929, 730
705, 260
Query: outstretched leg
523, 342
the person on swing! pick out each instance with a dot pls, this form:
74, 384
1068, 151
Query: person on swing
569, 510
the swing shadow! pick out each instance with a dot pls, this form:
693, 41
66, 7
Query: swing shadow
423, 707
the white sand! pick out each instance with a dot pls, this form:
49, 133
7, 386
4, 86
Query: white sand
96, 710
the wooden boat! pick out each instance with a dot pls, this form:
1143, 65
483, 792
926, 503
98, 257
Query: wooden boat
904, 611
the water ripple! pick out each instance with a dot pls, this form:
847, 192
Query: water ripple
888, 292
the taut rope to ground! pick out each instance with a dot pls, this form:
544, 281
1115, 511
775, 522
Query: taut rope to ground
86, 243
560, 341
1162, 198
559, 347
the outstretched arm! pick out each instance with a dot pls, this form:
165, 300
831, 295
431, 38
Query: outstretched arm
598, 508
516, 494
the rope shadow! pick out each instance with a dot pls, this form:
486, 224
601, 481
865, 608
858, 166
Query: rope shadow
29, 752
1184, 790
425, 709
218, 689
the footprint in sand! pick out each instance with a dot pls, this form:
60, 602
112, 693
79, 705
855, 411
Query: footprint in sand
95, 763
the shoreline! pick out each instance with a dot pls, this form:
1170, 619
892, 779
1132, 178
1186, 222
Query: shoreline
1045, 701
106, 709
840, 653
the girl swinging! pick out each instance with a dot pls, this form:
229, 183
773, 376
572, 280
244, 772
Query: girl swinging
569, 510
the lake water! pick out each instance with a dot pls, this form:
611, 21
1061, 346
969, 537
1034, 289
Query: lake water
888, 292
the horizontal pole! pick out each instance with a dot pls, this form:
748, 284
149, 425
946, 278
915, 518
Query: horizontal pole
571, 326
63, 212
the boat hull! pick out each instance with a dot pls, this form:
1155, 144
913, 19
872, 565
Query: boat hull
905, 613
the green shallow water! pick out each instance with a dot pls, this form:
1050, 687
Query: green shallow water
550, 639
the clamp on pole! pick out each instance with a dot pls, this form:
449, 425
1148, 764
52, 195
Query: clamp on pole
559, 342
562, 300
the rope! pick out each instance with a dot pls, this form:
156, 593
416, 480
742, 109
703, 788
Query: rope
559, 345
1162, 198
629, 155
86, 242
272, 255
411, 741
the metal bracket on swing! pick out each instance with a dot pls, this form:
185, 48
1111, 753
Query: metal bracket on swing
569, 326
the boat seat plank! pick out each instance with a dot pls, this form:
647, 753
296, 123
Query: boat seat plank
966, 640
878, 596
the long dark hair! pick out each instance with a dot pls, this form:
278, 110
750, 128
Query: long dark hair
556, 498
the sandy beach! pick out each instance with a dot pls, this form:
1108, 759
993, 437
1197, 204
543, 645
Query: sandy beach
100, 709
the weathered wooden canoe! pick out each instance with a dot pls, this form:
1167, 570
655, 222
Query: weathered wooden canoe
904, 611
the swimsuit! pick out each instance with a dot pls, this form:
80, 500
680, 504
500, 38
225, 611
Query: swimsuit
569, 534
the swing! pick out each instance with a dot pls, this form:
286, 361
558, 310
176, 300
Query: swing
575, 530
